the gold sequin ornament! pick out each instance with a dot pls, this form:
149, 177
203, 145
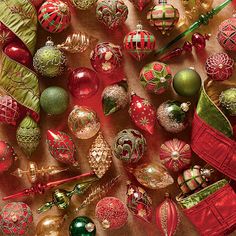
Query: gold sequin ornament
83, 4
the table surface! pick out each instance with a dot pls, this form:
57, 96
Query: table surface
110, 126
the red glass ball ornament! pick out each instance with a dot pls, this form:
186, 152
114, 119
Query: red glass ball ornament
111, 212
198, 41
15, 218
18, 52
219, 66
54, 16
106, 57
140, 4
7, 156
6, 35
83, 82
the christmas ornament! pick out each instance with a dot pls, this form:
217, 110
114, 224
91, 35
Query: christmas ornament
83, 82
18, 52
54, 100
62, 147
187, 82
77, 43
156, 77
198, 41
9, 110
49, 61
106, 57
219, 66
163, 16
100, 156
111, 213
115, 97
83, 4
83, 122
140, 4
193, 179
228, 101
37, 3
61, 198
34, 173
6, 35
139, 203
15, 218
153, 176
28, 135
175, 154
111, 13
142, 113
129, 145
54, 16
172, 116
139, 43
227, 34
50, 225
167, 217
83, 226
7, 156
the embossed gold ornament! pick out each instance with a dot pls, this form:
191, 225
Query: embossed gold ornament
83, 4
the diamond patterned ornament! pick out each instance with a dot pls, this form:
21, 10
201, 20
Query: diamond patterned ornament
100, 156
140, 4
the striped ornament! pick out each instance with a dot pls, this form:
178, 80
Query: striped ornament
54, 16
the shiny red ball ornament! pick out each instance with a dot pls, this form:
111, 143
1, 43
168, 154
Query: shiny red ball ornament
167, 217
54, 16
18, 52
9, 110
142, 112
61, 147
83, 82
7, 156
199, 41
219, 66
6, 35
140, 4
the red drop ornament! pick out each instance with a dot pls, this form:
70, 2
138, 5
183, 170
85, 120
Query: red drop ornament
198, 41
6, 35
61, 147
140, 4
142, 113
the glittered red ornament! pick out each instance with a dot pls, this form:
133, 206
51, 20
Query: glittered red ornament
6, 35
219, 66
111, 213
61, 147
83, 82
15, 218
7, 156
9, 110
142, 113
140, 4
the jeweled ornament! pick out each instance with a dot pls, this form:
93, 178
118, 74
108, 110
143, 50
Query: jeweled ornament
111, 213
61, 147
83, 122
228, 101
172, 116
82, 226
142, 113
83, 4
83, 82
49, 61
219, 66
54, 16
156, 77
106, 57
129, 146
139, 202
54, 100
111, 13
7, 156
140, 4
163, 16
15, 218
139, 43
175, 155
6, 35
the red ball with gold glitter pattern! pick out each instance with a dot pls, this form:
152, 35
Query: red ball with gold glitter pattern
140, 4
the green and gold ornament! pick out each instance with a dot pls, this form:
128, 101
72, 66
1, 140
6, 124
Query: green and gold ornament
228, 101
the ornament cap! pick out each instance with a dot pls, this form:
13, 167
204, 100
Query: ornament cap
185, 106
49, 42
63, 7
139, 26
90, 227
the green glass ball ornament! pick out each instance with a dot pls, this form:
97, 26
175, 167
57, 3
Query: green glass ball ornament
49, 61
228, 101
187, 82
54, 100
82, 226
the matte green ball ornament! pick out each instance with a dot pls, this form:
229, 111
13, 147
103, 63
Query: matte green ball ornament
187, 82
54, 100
82, 226
228, 101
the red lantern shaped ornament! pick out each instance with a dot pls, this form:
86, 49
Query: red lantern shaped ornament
139, 43
167, 217
140, 4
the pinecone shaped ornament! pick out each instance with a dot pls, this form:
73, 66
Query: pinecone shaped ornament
100, 156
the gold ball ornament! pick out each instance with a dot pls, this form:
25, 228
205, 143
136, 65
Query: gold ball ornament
83, 4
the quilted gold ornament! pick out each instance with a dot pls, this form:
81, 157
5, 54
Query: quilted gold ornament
83, 4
